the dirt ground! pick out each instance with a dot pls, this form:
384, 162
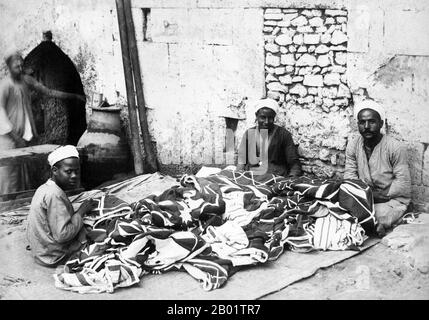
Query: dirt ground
395, 268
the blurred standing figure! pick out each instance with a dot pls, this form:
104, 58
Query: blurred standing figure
17, 127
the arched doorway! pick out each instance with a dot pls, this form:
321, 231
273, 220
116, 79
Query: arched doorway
58, 121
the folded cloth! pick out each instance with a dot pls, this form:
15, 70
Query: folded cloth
114, 274
212, 272
209, 226
332, 233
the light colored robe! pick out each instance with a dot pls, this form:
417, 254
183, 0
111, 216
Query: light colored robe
386, 171
54, 231
16, 116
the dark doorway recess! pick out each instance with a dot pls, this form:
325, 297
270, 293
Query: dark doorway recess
58, 121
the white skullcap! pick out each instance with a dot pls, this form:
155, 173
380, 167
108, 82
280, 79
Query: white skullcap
62, 153
267, 103
369, 104
11, 52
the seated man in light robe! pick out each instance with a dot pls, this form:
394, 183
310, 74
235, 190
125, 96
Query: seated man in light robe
267, 147
381, 162
54, 230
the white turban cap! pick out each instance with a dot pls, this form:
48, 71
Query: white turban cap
267, 103
369, 104
62, 153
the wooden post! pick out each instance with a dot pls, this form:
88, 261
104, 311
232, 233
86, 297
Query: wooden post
151, 161
134, 128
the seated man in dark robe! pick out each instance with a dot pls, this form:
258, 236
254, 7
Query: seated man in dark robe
267, 147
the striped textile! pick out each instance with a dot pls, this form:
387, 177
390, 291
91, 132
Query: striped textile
211, 226
108, 207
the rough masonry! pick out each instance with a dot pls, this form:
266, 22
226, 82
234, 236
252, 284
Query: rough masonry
305, 69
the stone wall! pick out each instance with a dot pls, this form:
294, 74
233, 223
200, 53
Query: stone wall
202, 60
306, 58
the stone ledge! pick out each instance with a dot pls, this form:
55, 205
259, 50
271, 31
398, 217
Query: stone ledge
164, 3
322, 4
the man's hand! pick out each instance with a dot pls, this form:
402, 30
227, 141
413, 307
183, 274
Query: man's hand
19, 142
86, 207
379, 197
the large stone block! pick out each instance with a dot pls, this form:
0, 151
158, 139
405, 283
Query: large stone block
218, 25
343, 91
211, 26
298, 39
331, 79
164, 3
155, 72
271, 47
298, 89
323, 60
322, 49
272, 60
287, 79
280, 70
277, 86
273, 16
297, 79
273, 10
299, 21
302, 49
306, 60
170, 26
304, 71
325, 38
341, 58
335, 13
288, 59
311, 38
404, 31
316, 22
313, 80
304, 29
338, 37
329, 92
283, 40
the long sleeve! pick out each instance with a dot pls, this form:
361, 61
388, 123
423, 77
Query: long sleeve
351, 167
34, 84
401, 184
292, 160
5, 124
63, 223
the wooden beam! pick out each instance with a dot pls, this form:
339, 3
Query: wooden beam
151, 160
28, 154
129, 83
7, 205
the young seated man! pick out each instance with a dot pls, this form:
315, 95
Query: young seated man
267, 147
54, 230
381, 162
